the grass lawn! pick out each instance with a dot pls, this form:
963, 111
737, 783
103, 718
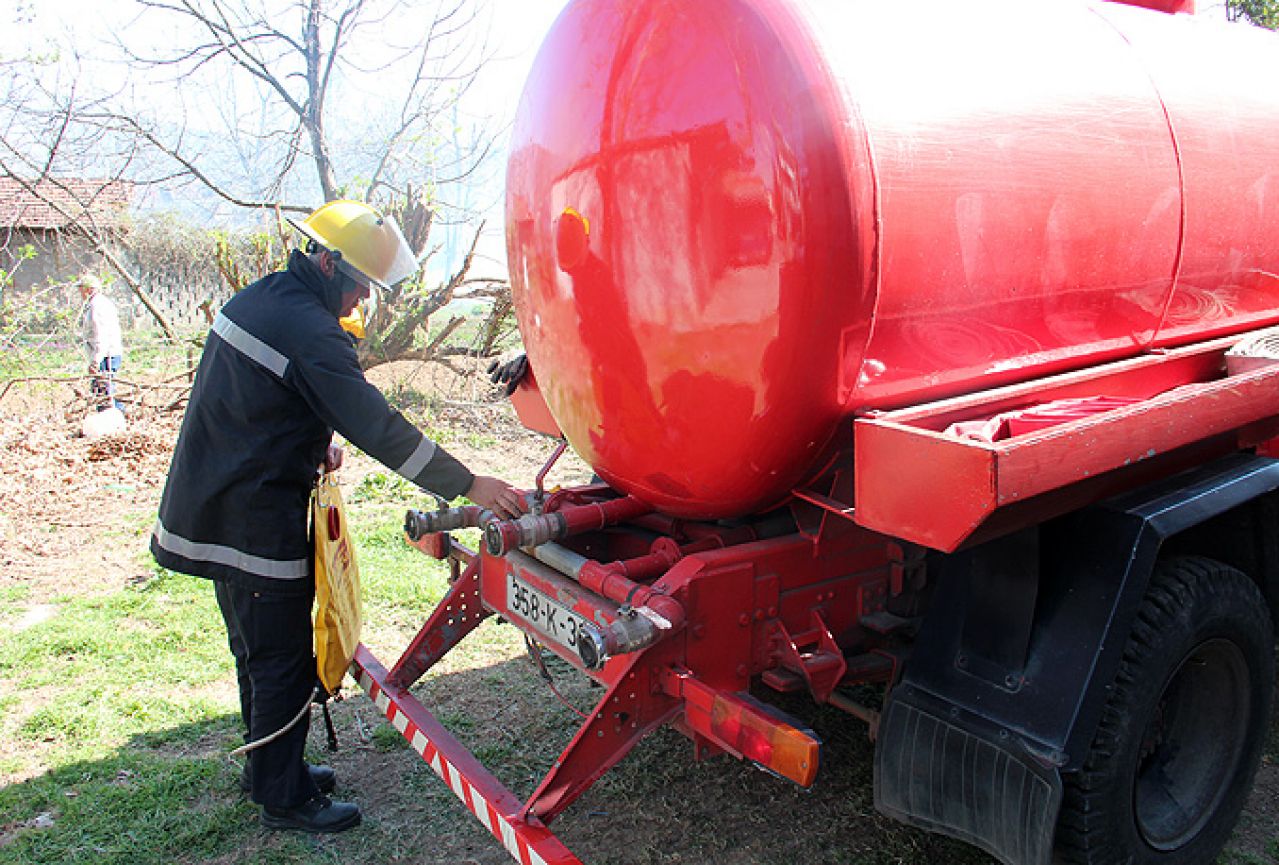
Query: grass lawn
118, 709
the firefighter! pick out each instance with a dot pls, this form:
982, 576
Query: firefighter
277, 377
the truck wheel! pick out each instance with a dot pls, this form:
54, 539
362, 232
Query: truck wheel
1184, 724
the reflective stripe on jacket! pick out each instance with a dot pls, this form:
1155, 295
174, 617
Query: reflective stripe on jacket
277, 377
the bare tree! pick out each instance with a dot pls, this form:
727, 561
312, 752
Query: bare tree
268, 84
277, 105
398, 329
39, 136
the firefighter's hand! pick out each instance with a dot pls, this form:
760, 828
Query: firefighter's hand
509, 372
498, 496
333, 458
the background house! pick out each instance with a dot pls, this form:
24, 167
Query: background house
61, 222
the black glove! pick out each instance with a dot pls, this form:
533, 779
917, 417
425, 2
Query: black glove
509, 373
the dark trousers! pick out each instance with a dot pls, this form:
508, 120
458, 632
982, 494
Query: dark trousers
103, 387
271, 639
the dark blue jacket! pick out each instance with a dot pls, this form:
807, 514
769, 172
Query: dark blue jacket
277, 377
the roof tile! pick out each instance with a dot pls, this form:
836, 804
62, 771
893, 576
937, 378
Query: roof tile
58, 204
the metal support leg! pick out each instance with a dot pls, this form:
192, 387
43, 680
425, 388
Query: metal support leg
628, 711
457, 615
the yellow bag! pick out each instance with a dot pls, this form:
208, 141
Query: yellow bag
338, 614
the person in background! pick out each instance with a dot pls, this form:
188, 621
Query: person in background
278, 376
100, 327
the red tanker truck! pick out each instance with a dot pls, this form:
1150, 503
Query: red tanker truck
918, 348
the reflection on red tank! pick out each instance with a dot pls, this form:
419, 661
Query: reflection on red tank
789, 212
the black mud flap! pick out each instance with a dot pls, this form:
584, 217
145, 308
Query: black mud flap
947, 771
1011, 668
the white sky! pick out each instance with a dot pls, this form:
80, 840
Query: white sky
517, 27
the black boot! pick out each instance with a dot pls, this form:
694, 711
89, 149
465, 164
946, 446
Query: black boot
324, 778
319, 815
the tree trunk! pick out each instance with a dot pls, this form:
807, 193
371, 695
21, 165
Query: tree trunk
313, 110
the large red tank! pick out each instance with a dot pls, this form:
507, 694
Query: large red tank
733, 223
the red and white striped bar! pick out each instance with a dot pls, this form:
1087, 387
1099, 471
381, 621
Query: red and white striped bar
483, 795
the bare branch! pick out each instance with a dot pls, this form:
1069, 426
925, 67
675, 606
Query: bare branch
257, 105
189, 166
340, 30
228, 41
139, 292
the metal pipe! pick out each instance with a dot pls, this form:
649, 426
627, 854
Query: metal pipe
420, 523
857, 710
531, 530
560, 558
645, 615
612, 580
617, 580
769, 527
635, 628
540, 481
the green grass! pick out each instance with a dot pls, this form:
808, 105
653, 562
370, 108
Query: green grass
401, 585
480, 440
119, 709
387, 738
158, 623
10, 595
383, 487
56, 359
128, 807
113, 667
149, 350
115, 691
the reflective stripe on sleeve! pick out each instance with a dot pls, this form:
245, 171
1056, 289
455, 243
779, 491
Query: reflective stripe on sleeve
250, 346
277, 569
418, 459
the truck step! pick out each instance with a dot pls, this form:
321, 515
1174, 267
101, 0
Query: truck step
885, 623
870, 667
783, 680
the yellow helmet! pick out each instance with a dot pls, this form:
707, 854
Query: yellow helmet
371, 244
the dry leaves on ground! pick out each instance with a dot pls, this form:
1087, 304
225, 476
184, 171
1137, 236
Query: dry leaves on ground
54, 479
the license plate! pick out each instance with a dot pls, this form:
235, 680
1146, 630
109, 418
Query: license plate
547, 615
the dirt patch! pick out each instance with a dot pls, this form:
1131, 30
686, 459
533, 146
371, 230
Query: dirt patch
1255, 833
69, 506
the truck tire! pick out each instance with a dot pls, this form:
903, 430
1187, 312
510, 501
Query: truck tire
1185, 720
